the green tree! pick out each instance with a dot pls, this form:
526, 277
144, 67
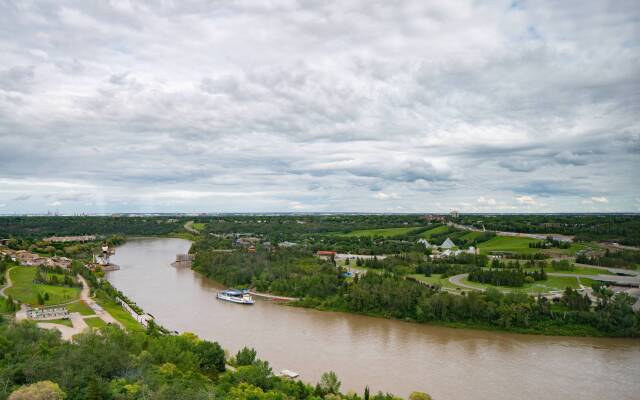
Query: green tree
246, 356
419, 396
44, 390
40, 299
210, 356
329, 383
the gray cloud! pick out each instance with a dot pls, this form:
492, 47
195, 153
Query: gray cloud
431, 105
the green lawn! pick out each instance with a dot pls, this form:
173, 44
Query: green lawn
579, 270
26, 291
471, 236
118, 312
435, 231
509, 244
95, 322
198, 226
436, 279
65, 322
80, 307
553, 283
385, 232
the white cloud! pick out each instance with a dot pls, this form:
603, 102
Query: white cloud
600, 199
385, 196
330, 103
528, 200
489, 201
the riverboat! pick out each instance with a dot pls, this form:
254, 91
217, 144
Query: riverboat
235, 296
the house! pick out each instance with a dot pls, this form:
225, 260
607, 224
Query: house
287, 244
64, 239
447, 244
435, 218
251, 249
326, 254
425, 242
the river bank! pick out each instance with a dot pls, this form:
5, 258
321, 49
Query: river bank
387, 355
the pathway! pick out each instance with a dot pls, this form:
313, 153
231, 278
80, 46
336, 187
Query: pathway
8, 283
189, 227
273, 297
100, 312
457, 280
68, 332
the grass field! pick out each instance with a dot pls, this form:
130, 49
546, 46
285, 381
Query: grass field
80, 307
26, 291
553, 283
471, 236
509, 244
65, 322
118, 312
95, 322
436, 279
198, 226
435, 231
385, 232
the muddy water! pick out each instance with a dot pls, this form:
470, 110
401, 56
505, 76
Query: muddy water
391, 356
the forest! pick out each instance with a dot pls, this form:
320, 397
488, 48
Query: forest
112, 364
38, 227
322, 285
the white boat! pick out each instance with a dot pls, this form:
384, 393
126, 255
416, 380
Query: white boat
289, 374
235, 296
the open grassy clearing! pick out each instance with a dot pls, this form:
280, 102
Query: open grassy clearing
435, 231
384, 232
471, 236
553, 283
80, 307
198, 226
118, 312
508, 244
26, 291
95, 322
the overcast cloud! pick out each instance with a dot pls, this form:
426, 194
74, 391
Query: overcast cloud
210, 106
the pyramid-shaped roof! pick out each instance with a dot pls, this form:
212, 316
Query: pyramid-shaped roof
447, 244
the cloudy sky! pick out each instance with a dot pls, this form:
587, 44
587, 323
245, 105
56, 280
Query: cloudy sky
250, 106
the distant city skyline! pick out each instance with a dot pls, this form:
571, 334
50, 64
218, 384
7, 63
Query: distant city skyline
407, 107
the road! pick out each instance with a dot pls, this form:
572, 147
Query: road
100, 312
539, 236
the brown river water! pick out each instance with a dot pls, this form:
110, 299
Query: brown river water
391, 356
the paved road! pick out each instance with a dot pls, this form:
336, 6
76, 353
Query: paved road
103, 314
540, 236
457, 280
67, 332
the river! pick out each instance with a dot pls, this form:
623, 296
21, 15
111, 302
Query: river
387, 355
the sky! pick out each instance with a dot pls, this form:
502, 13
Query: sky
319, 106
